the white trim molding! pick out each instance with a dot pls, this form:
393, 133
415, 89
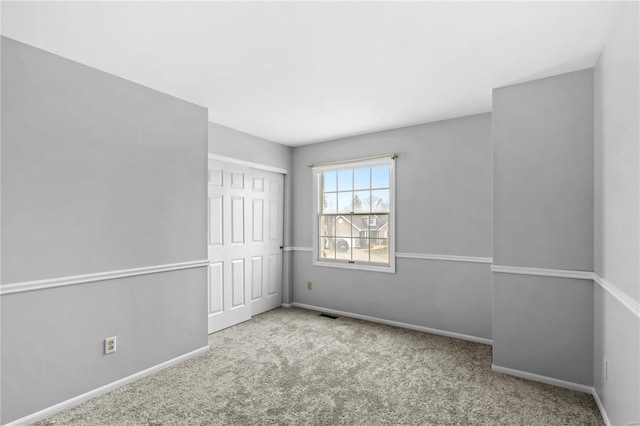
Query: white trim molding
556, 382
289, 248
600, 405
395, 323
614, 291
287, 305
558, 273
620, 295
247, 163
542, 379
422, 256
100, 276
472, 259
64, 405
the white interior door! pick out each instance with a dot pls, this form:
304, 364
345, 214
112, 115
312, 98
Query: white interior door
265, 245
245, 236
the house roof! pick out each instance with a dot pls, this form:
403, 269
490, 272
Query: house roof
361, 221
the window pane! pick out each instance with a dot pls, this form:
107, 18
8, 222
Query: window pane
380, 200
380, 250
360, 249
343, 248
361, 179
361, 225
330, 181
380, 177
327, 226
345, 202
379, 226
329, 202
326, 248
345, 180
361, 201
343, 226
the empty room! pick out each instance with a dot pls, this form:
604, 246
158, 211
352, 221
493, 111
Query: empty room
310, 212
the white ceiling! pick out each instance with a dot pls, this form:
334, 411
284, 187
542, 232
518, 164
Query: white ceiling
303, 72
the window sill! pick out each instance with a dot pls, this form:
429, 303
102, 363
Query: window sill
389, 269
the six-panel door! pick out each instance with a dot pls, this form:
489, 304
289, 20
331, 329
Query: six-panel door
245, 234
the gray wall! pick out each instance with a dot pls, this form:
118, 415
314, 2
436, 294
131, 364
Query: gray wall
543, 173
236, 144
617, 238
98, 174
95, 177
543, 325
443, 206
242, 146
543, 218
52, 340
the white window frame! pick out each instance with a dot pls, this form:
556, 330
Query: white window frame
317, 194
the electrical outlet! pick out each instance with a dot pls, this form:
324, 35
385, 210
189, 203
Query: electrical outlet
309, 285
109, 345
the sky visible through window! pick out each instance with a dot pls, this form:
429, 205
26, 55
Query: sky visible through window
346, 180
362, 190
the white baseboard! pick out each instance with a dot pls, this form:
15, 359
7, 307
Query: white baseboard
64, 405
287, 305
542, 379
600, 405
396, 324
556, 382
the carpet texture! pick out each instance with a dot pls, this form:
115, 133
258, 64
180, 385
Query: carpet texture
291, 366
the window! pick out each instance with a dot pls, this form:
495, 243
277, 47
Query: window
354, 215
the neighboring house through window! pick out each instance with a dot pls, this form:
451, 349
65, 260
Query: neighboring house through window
354, 215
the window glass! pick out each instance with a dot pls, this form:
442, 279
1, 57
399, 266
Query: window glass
345, 180
330, 181
345, 202
380, 177
361, 179
353, 217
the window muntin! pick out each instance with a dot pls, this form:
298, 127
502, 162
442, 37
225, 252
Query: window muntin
354, 215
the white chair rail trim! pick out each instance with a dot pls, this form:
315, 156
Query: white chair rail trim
424, 256
614, 291
100, 276
620, 295
541, 272
448, 257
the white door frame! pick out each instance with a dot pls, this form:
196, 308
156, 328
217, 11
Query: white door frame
247, 163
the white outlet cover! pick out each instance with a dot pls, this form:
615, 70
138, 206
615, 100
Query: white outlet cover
109, 345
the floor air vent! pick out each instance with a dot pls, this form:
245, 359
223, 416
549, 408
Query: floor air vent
328, 315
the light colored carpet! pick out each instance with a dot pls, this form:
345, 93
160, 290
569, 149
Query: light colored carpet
291, 366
